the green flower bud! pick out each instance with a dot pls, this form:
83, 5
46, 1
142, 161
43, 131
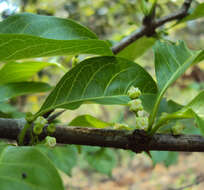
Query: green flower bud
37, 129
177, 129
133, 92
142, 123
29, 117
135, 105
51, 128
41, 120
121, 126
50, 141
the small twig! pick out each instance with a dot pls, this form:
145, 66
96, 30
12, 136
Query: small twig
183, 12
47, 114
149, 30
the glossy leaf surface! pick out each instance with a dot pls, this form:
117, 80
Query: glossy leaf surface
88, 121
21, 71
64, 158
103, 80
28, 36
27, 168
171, 61
22, 88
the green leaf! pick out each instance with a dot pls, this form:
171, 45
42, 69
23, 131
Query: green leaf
45, 26
89, 121
64, 158
21, 71
171, 61
195, 106
196, 13
28, 36
12, 90
102, 160
169, 106
194, 109
8, 111
7, 108
20, 46
137, 48
103, 80
27, 168
165, 157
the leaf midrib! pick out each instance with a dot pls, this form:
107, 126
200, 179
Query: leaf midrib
78, 100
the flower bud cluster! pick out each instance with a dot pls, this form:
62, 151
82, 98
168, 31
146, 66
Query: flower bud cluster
51, 128
39, 123
133, 92
50, 141
142, 123
135, 105
29, 117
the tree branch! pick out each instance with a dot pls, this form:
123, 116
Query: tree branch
137, 141
122, 139
149, 29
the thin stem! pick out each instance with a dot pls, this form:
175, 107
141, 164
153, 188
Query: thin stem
164, 120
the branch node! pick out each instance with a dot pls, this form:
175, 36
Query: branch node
139, 141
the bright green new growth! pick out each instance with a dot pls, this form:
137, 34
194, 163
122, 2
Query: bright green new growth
133, 92
37, 129
29, 117
142, 123
41, 121
135, 105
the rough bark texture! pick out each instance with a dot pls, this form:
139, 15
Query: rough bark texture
136, 141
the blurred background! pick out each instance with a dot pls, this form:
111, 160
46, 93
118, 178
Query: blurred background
112, 21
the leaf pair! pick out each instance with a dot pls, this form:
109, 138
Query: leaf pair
29, 36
